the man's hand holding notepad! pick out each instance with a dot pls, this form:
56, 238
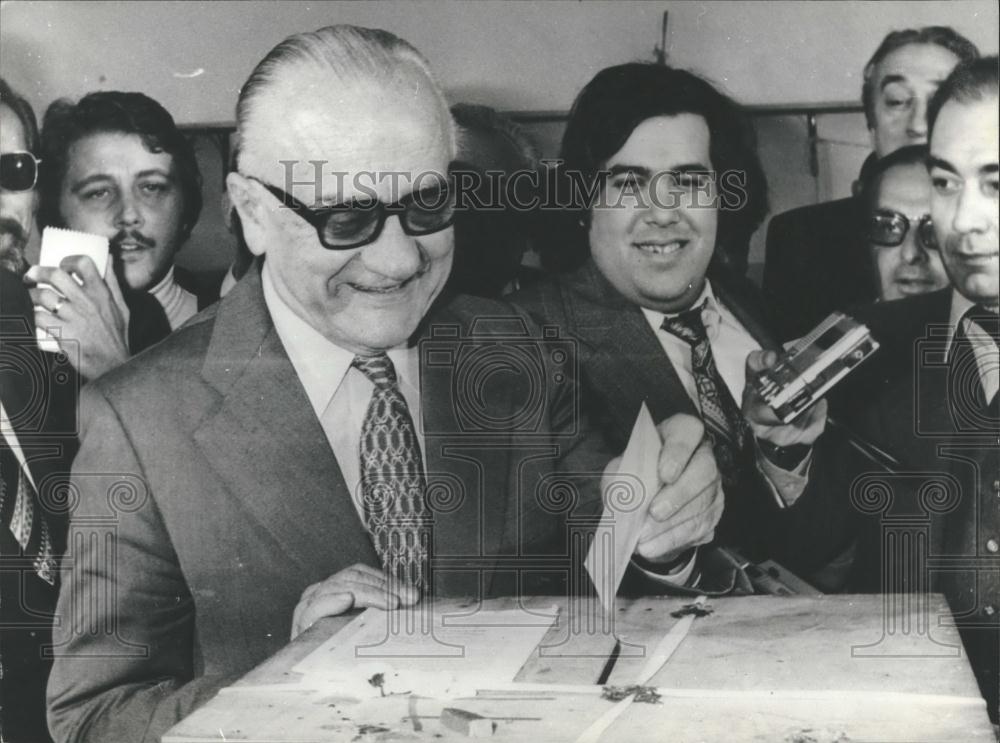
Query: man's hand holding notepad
78, 300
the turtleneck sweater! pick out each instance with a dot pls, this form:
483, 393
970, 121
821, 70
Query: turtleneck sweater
177, 303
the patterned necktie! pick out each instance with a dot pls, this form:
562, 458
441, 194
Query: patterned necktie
19, 512
722, 416
967, 394
392, 477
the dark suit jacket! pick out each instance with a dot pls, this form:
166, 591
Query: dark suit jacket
204, 466
623, 364
148, 323
204, 285
944, 500
817, 260
38, 398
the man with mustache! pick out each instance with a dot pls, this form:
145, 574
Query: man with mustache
116, 165
37, 399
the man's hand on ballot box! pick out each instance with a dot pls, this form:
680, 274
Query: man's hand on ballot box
688, 505
356, 587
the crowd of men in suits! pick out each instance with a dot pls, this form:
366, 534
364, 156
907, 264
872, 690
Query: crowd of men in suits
342, 429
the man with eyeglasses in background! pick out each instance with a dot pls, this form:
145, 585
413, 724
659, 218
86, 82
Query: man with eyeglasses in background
929, 395
897, 191
322, 439
817, 255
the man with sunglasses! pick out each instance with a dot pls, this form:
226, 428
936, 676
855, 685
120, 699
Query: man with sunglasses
330, 436
929, 396
18, 176
904, 252
817, 256
37, 398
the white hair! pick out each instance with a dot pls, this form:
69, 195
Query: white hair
349, 55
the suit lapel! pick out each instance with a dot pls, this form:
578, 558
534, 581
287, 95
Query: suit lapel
616, 338
468, 484
267, 445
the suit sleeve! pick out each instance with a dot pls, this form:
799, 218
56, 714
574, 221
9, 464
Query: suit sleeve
786, 277
124, 641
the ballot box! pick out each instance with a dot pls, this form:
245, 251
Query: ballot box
796, 669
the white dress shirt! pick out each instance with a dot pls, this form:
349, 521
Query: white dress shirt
983, 346
339, 393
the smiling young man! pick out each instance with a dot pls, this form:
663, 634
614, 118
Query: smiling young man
818, 255
116, 165
930, 399
300, 449
675, 180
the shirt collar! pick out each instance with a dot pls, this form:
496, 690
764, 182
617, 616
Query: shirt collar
711, 313
960, 304
165, 285
321, 364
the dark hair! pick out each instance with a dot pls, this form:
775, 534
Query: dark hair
474, 118
943, 36
22, 109
871, 177
975, 80
603, 117
112, 111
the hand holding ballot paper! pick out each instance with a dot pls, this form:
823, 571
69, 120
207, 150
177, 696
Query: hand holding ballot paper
77, 298
662, 497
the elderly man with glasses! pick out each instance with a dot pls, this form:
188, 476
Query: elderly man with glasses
329, 436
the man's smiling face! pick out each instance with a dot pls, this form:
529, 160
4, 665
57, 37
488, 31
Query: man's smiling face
653, 233
370, 298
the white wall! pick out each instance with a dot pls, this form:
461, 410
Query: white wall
193, 56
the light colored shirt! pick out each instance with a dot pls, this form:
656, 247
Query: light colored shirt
178, 304
339, 393
983, 346
731, 344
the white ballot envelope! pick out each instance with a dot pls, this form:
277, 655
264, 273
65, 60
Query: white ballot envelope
58, 244
625, 504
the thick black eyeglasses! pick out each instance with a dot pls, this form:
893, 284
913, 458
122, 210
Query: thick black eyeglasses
358, 222
888, 228
18, 171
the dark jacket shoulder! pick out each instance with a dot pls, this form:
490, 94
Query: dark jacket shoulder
826, 215
204, 285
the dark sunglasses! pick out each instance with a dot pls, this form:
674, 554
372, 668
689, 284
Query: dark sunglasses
18, 171
888, 229
358, 222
